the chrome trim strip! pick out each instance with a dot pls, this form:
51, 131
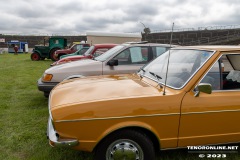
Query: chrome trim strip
153, 115
89, 119
233, 90
221, 111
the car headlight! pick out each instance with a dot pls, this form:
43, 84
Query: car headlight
47, 77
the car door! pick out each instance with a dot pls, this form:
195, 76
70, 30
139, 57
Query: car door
129, 60
212, 118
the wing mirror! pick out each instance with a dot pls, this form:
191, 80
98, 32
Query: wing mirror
203, 87
112, 62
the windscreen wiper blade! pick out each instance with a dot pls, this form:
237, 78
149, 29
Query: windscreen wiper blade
141, 69
155, 75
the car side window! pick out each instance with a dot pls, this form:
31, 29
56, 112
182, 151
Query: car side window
223, 76
78, 47
74, 48
56, 41
213, 76
231, 72
100, 51
133, 55
157, 51
82, 51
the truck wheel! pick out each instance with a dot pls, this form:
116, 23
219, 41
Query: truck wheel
126, 144
52, 56
35, 56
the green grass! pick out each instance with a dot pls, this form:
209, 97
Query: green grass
24, 115
24, 112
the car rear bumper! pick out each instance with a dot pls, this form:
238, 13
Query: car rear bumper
45, 86
55, 141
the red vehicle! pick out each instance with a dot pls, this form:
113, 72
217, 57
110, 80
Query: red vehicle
70, 50
94, 51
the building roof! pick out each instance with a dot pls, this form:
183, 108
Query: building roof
114, 34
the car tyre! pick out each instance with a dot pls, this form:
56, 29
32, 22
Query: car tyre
35, 56
135, 144
46, 94
59, 56
52, 56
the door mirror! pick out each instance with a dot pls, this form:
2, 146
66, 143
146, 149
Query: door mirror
205, 88
112, 62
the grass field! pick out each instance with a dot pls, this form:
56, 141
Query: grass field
24, 115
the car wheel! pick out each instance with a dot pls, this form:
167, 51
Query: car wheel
125, 144
60, 55
35, 56
52, 56
46, 94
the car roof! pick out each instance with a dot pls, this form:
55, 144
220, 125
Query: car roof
147, 44
213, 47
105, 44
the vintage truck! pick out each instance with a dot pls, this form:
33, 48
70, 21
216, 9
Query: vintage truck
40, 52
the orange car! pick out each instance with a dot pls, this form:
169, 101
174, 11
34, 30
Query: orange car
188, 96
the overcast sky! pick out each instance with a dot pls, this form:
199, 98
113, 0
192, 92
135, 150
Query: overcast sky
80, 16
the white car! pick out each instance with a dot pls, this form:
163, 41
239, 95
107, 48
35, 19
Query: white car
124, 58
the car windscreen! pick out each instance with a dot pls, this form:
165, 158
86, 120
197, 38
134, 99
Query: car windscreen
109, 53
177, 65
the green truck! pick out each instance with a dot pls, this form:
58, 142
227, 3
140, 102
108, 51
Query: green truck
41, 52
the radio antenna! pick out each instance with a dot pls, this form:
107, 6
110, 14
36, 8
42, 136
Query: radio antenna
165, 83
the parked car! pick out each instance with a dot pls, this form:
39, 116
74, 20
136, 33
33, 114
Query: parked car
72, 49
188, 96
125, 58
79, 52
94, 51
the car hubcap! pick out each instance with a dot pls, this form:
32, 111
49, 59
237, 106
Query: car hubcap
124, 150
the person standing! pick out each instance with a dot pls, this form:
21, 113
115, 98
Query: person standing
15, 50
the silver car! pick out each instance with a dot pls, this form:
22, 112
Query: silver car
124, 58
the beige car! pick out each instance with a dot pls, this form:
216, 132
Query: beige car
124, 58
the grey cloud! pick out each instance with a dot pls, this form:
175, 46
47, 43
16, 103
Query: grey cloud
54, 16
68, 7
141, 10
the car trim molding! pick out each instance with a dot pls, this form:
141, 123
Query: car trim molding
153, 115
89, 119
237, 110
